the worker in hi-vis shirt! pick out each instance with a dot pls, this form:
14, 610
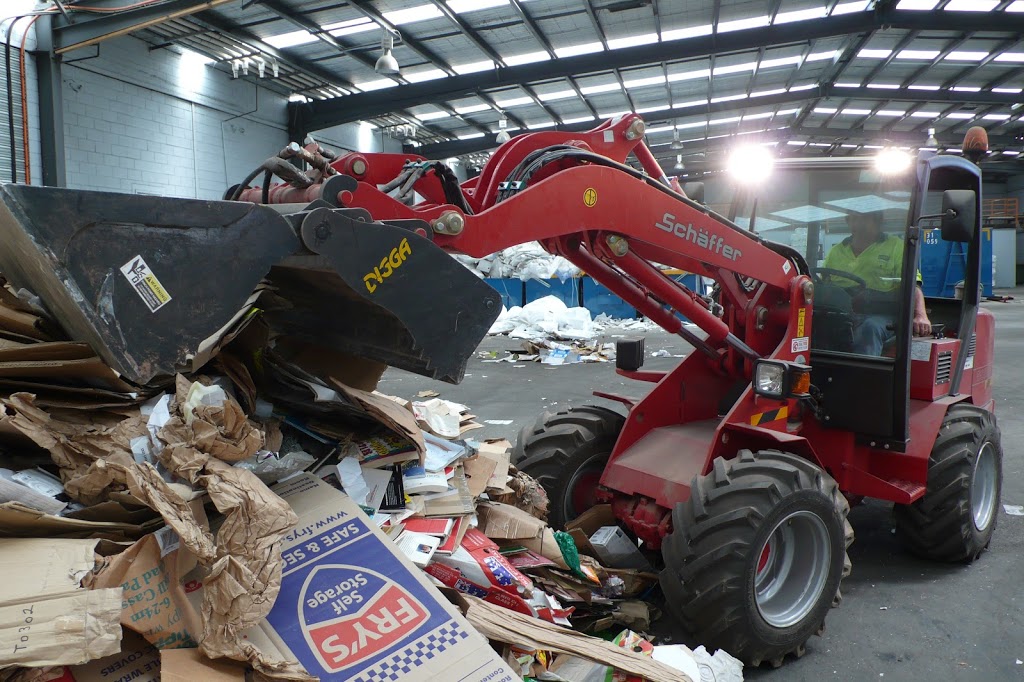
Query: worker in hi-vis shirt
877, 259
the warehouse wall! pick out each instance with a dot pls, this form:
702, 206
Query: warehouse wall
158, 122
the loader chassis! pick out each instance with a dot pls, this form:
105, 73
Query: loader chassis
746, 494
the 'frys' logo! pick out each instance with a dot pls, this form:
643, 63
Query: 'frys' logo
350, 614
387, 266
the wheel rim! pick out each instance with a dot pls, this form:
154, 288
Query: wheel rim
792, 568
983, 487
581, 492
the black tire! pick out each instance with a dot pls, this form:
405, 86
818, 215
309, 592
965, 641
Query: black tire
718, 549
564, 446
942, 525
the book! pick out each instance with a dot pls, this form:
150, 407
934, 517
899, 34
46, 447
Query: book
418, 547
418, 480
381, 450
440, 527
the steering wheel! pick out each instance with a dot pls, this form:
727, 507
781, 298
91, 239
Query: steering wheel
825, 275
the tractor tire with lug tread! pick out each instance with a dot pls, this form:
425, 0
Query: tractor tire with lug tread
757, 555
567, 449
955, 519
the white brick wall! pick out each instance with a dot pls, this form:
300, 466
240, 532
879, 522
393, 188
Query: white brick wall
141, 121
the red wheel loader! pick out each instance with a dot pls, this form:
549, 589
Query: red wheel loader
739, 464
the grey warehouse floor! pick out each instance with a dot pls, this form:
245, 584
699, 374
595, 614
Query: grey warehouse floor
901, 618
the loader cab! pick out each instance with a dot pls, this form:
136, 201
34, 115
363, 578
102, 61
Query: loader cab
858, 223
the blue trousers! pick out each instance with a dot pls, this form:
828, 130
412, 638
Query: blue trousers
870, 333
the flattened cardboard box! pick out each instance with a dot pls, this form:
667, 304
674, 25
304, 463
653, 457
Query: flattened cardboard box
352, 608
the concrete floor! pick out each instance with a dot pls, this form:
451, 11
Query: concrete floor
901, 618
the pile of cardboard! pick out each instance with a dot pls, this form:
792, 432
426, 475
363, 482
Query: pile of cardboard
270, 514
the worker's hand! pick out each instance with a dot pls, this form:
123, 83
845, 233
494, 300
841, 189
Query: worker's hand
922, 325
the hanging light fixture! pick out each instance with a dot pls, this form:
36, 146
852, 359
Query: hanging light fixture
387, 64
676, 142
932, 141
679, 163
502, 137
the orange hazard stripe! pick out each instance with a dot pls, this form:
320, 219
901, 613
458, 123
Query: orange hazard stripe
769, 416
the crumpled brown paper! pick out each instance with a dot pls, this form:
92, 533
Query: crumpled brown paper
219, 430
245, 578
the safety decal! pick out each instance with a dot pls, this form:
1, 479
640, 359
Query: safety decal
801, 319
590, 197
145, 283
800, 344
786, 267
769, 416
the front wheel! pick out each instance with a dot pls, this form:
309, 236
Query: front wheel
955, 519
756, 555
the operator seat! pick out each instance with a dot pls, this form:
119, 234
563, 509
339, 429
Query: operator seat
832, 321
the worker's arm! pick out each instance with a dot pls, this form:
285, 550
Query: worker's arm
922, 325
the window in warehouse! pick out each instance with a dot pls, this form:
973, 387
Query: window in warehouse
6, 152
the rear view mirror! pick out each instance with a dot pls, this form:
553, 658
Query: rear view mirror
959, 214
694, 191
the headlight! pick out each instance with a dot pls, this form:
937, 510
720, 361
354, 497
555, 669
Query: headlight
781, 380
769, 379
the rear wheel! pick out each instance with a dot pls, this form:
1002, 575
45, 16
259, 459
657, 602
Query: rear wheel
756, 555
955, 519
566, 452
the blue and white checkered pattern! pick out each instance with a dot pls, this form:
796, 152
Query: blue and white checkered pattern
401, 663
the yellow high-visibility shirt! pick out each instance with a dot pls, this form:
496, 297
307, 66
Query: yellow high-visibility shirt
880, 265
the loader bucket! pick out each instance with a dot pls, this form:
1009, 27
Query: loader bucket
152, 283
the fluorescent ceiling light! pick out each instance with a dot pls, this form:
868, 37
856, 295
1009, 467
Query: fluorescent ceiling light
644, 82
805, 86
741, 24
296, 97
472, 109
689, 75
573, 50
691, 103
728, 98
883, 86
824, 110
820, 144
796, 143
874, 54
630, 41
379, 84
890, 112
695, 124
291, 39
1017, 6
801, 15
754, 117
1008, 91
960, 115
614, 114
972, 5
514, 102
766, 93
719, 121
924, 87
433, 115
848, 84
660, 129
688, 32
598, 89
820, 56
925, 114
464, 6
344, 28
535, 126
850, 7
919, 5
787, 112
855, 112
470, 136
966, 88
579, 119
561, 94
997, 117
428, 75
917, 54
966, 55
782, 61
528, 58
648, 110
411, 15
1010, 57
473, 67
734, 68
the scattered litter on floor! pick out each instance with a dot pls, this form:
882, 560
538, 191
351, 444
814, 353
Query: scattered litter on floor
1014, 509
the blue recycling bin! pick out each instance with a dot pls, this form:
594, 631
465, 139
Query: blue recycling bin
943, 263
568, 291
510, 290
597, 298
